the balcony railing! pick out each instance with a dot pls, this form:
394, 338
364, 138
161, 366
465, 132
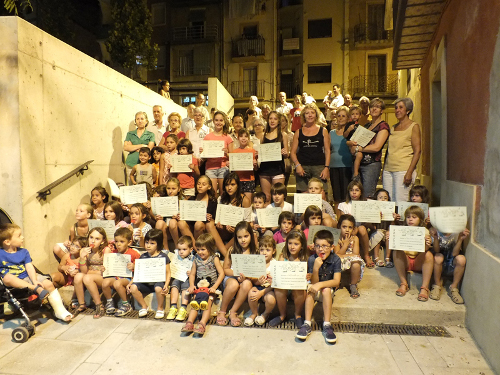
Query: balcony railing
201, 32
373, 86
249, 47
367, 32
245, 89
290, 89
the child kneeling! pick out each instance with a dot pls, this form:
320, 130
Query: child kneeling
324, 269
18, 271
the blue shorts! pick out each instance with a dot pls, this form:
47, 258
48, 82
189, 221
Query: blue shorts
178, 284
219, 173
148, 288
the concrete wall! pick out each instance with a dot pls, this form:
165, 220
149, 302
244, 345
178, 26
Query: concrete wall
60, 108
219, 98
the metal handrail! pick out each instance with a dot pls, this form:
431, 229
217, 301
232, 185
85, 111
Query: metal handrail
43, 193
195, 32
245, 47
368, 32
370, 84
245, 89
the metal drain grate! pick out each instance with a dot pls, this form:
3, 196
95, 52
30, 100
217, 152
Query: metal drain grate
345, 327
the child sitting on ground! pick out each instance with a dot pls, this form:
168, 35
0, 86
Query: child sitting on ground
324, 269
259, 202
143, 171
315, 186
153, 244
18, 271
448, 261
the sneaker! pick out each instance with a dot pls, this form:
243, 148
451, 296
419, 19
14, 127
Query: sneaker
182, 314
110, 307
304, 331
123, 310
299, 322
172, 313
329, 334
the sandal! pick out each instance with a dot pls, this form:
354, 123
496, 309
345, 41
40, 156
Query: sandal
99, 311
353, 291
74, 303
81, 308
403, 288
370, 264
455, 296
435, 292
143, 313
200, 329
379, 262
260, 320
388, 263
188, 327
235, 322
423, 297
221, 318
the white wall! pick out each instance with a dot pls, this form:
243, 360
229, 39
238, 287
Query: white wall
219, 98
60, 108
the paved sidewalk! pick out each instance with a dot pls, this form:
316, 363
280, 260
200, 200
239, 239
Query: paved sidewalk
131, 346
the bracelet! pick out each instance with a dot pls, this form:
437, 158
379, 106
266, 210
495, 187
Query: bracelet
82, 264
296, 165
327, 166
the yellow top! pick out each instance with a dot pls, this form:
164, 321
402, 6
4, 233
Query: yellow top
399, 150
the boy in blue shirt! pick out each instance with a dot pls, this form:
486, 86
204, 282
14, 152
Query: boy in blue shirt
323, 270
18, 272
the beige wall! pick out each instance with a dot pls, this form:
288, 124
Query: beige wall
219, 98
60, 108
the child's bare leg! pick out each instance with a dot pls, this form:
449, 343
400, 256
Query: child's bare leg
184, 297
199, 228
174, 297
459, 270
174, 232
210, 226
299, 297
230, 290
364, 244
328, 221
355, 272
270, 302
185, 230
58, 279
80, 293
160, 298
136, 293
425, 263
281, 296
327, 304
401, 262
161, 225
16, 282
241, 297
248, 195
120, 286
206, 314
253, 303
93, 282
193, 314
309, 306
438, 268
357, 163
107, 284
58, 252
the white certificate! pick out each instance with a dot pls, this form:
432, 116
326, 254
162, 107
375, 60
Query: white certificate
366, 211
362, 136
268, 217
407, 238
116, 265
150, 270
212, 149
165, 206
387, 209
179, 269
448, 219
289, 275
313, 229
133, 194
108, 226
303, 200
241, 161
250, 265
270, 152
193, 210
229, 215
180, 163
402, 206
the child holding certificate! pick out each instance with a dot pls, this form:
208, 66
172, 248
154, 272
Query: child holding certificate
412, 260
259, 202
237, 285
247, 178
286, 220
153, 244
170, 148
315, 186
139, 226
186, 179
123, 239
182, 256
113, 211
348, 251
324, 268
378, 235
295, 250
279, 194
206, 265
262, 286
173, 190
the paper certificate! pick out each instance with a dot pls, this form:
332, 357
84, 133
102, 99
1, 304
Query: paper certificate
179, 268
150, 270
289, 275
133, 194
229, 215
387, 209
180, 163
402, 206
270, 152
116, 265
268, 217
366, 211
212, 149
108, 226
241, 161
362, 136
407, 238
193, 210
248, 265
301, 201
165, 206
313, 229
448, 219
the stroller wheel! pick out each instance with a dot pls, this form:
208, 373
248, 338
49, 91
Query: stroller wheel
31, 330
20, 334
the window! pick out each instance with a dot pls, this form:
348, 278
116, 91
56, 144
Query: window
250, 82
250, 32
159, 14
319, 28
162, 58
319, 73
377, 73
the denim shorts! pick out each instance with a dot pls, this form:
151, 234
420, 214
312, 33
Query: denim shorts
219, 173
148, 288
179, 285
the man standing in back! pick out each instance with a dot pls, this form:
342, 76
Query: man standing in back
158, 127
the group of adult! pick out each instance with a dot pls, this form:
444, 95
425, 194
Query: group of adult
313, 150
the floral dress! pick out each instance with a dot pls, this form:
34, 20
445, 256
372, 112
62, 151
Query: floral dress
348, 258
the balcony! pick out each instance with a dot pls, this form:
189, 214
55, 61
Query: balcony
189, 70
246, 47
291, 89
245, 89
372, 86
200, 33
371, 33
